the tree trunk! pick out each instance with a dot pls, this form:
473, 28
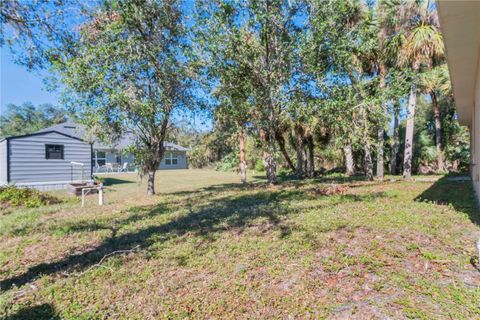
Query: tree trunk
395, 143
305, 161
347, 150
380, 130
311, 156
268, 159
380, 142
243, 163
151, 182
408, 155
283, 150
438, 131
367, 161
299, 151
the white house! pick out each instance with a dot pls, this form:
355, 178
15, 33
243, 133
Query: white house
460, 24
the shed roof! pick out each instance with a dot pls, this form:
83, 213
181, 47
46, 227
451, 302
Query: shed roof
42, 133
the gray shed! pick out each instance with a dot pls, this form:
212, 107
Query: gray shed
175, 155
45, 160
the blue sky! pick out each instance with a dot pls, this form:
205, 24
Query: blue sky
17, 85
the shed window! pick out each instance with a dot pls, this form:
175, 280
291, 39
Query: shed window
53, 151
100, 158
171, 159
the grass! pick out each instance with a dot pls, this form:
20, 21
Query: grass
208, 247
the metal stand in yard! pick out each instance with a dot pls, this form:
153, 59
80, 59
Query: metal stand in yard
87, 190
81, 165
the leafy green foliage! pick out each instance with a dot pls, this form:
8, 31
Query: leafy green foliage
12, 196
130, 74
26, 118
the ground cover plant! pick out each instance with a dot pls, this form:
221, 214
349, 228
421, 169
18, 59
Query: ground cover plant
12, 196
211, 247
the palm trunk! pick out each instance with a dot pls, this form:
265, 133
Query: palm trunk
393, 163
347, 150
283, 150
438, 131
151, 182
243, 163
298, 149
380, 130
268, 159
408, 155
380, 142
367, 161
305, 161
311, 156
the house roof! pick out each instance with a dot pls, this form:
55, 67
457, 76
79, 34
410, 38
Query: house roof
74, 129
42, 133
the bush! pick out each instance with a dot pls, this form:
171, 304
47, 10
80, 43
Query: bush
259, 165
229, 163
12, 196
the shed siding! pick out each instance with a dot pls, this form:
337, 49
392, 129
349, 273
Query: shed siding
28, 163
181, 163
3, 162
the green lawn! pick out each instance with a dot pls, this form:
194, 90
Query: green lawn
208, 247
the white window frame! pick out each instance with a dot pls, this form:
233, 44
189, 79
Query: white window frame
96, 158
171, 158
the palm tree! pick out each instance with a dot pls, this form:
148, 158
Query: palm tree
435, 82
421, 44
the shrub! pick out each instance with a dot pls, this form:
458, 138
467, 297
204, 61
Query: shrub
12, 196
229, 163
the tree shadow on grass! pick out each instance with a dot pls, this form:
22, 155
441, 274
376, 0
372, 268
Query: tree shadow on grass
38, 312
135, 214
217, 216
109, 181
459, 194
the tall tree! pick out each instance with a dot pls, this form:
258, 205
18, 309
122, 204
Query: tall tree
433, 83
342, 43
129, 74
395, 138
276, 35
227, 70
269, 37
420, 44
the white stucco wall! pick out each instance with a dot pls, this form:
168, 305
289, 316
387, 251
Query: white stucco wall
459, 22
475, 133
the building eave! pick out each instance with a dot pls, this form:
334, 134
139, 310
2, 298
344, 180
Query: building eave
460, 25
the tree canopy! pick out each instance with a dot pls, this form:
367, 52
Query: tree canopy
297, 87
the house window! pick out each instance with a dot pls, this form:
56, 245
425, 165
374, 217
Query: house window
100, 158
171, 159
53, 151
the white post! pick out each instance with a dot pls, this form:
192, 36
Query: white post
83, 198
478, 250
100, 196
